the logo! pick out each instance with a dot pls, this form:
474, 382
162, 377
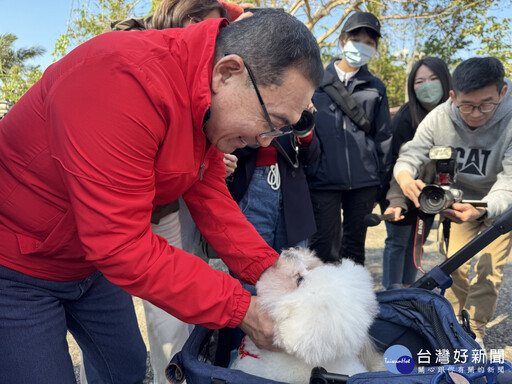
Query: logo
398, 359
472, 161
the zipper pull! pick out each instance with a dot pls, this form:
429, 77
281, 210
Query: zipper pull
201, 169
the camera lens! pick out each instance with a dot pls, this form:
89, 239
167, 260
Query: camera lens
432, 199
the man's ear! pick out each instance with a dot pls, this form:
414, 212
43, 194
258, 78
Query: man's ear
227, 69
452, 95
503, 92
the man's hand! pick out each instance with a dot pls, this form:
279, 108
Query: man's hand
258, 325
410, 187
230, 161
461, 212
397, 211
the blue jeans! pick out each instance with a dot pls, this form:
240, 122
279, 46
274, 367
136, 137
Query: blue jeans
398, 258
263, 208
35, 315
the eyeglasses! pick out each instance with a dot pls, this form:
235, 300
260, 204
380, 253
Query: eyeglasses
482, 108
273, 132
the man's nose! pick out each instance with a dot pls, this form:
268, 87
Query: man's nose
476, 112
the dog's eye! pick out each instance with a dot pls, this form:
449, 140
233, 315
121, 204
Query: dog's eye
299, 280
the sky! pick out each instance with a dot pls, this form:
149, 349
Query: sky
36, 23
41, 22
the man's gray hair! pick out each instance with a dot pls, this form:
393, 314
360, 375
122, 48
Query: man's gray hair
270, 42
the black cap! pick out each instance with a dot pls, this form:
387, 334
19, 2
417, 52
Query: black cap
362, 20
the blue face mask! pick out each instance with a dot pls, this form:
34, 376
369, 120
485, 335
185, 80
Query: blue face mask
358, 54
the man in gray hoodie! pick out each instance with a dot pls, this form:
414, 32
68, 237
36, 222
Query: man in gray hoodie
477, 122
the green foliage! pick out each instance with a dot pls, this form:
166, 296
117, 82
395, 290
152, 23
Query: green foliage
392, 75
16, 77
496, 38
18, 81
90, 19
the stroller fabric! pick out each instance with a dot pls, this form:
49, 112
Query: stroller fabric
421, 320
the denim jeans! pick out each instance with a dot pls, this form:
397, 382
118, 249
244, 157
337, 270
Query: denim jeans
398, 258
35, 315
263, 208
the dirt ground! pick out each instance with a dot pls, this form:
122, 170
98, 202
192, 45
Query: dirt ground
498, 335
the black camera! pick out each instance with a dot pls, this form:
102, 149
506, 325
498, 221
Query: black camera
434, 198
305, 124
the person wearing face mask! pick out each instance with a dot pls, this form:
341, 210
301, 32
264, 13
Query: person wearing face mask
355, 148
428, 85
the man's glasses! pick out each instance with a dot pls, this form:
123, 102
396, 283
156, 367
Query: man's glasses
482, 108
273, 132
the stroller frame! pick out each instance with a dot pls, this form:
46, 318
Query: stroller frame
417, 304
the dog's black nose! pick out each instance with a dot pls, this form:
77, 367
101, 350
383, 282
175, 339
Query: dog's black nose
299, 280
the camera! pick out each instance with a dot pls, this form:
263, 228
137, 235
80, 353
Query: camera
305, 124
434, 198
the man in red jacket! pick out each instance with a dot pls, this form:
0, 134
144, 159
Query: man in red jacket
121, 124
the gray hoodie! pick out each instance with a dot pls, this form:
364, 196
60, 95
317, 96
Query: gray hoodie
484, 155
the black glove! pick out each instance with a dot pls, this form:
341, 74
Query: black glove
305, 125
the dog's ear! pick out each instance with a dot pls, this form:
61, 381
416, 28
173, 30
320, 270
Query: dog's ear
302, 255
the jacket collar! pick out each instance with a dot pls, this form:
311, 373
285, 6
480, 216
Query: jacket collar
194, 49
362, 76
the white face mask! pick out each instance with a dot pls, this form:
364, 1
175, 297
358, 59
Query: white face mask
358, 54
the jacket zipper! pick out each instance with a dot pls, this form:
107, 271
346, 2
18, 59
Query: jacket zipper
338, 112
201, 169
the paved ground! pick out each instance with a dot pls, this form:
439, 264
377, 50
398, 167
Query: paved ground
499, 330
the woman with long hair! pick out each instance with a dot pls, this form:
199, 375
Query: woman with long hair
428, 85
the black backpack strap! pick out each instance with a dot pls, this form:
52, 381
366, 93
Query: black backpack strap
334, 88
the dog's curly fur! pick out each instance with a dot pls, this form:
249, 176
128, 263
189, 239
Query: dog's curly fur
322, 314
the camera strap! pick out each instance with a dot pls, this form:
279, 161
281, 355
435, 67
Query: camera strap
419, 239
418, 244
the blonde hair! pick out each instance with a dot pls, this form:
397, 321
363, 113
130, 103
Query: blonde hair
173, 13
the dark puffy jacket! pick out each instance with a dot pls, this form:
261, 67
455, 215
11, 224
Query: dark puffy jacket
349, 157
297, 207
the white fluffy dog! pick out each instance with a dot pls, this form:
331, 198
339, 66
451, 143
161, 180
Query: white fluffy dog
321, 312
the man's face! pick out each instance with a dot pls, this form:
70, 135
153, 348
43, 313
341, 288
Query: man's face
236, 116
482, 98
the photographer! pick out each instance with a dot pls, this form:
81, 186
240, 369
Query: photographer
476, 121
428, 85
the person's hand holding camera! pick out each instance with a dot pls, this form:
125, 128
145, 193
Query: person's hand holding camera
462, 212
410, 187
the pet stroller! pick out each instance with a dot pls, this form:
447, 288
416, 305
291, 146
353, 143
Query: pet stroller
421, 320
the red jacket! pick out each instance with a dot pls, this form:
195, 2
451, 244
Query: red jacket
110, 131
